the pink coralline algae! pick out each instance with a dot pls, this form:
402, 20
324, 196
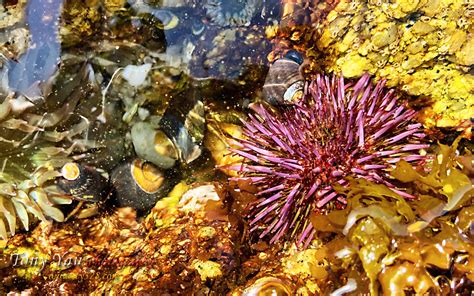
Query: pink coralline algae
295, 155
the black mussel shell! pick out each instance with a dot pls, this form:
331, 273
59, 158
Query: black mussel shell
176, 130
139, 184
84, 183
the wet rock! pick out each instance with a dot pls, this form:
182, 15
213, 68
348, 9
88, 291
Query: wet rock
423, 48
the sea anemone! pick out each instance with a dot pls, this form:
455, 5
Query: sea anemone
36, 197
295, 155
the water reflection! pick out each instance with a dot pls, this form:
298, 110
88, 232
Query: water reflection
97, 101
28, 75
217, 39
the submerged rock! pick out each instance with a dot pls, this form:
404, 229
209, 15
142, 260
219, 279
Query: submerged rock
420, 46
175, 249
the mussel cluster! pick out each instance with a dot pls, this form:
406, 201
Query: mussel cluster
157, 145
68, 144
140, 180
71, 133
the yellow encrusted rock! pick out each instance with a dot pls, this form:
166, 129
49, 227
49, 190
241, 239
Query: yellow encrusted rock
423, 48
207, 269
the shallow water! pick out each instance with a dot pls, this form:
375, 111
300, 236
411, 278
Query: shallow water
111, 111
194, 57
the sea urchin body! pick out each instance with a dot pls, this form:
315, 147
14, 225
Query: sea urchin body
337, 130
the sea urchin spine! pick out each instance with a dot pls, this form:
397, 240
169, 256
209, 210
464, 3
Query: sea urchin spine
337, 130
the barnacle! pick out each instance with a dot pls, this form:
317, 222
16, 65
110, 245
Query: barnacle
420, 46
35, 196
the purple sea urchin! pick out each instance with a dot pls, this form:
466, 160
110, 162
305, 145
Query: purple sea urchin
337, 130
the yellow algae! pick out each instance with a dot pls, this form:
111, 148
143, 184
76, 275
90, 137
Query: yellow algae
313, 287
385, 35
27, 262
168, 205
207, 269
347, 42
354, 65
423, 48
430, 8
207, 232
308, 263
456, 40
422, 28
416, 47
165, 249
465, 56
